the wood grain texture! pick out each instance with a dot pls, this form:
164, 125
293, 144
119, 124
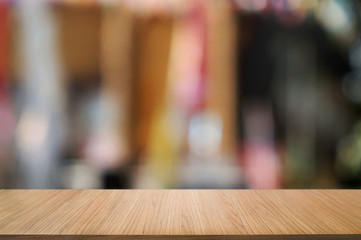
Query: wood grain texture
180, 214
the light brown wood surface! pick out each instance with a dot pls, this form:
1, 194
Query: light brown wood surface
180, 214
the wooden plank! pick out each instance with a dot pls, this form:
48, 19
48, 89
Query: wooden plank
180, 214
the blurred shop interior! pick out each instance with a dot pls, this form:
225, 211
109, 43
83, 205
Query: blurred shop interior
180, 94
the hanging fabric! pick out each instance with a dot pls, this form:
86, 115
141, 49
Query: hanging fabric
40, 127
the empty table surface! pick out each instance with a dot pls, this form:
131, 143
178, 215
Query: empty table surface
180, 214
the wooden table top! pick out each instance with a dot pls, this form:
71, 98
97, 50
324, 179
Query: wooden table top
180, 214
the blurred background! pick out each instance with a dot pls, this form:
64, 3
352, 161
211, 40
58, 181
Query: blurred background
180, 94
